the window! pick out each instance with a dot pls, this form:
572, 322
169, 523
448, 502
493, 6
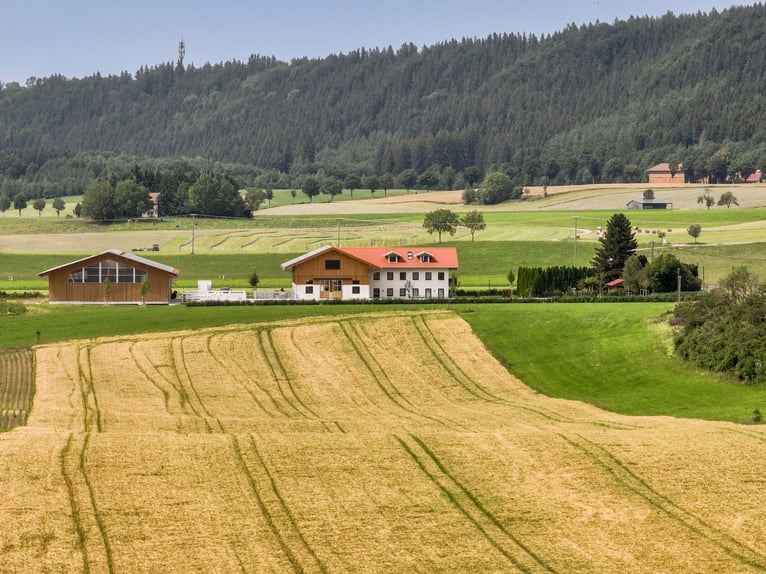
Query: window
409, 256
332, 264
428, 293
428, 275
376, 293
390, 275
393, 258
376, 276
356, 290
415, 275
416, 292
402, 292
114, 271
390, 292
425, 258
441, 276
441, 293
403, 276
309, 289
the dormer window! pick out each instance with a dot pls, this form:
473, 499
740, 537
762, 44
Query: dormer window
392, 257
409, 256
425, 257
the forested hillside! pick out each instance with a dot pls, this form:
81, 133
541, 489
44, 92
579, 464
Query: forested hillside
600, 102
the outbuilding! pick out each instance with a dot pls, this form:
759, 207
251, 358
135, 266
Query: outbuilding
125, 274
649, 204
662, 173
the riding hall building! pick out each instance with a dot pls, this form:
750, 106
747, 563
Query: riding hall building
112, 276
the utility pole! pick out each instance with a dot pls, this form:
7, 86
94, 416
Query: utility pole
194, 224
575, 239
339, 220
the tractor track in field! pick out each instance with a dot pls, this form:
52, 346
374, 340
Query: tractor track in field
520, 555
638, 486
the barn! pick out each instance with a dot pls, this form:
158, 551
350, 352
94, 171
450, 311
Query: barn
86, 280
662, 173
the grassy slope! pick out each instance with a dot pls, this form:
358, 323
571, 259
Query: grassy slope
613, 355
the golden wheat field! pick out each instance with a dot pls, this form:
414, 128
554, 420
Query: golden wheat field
381, 443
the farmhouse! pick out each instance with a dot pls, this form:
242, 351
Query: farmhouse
83, 281
661, 173
365, 273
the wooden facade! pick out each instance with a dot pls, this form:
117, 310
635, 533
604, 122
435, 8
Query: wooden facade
330, 272
84, 280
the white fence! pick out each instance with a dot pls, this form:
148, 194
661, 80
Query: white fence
202, 295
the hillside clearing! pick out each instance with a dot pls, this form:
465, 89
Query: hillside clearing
386, 442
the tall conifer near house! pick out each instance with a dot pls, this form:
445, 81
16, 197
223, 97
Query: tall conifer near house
616, 244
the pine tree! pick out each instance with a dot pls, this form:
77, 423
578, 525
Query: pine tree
617, 244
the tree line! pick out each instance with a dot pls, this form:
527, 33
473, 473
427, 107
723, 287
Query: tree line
591, 103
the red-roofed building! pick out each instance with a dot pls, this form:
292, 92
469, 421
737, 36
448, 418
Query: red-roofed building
373, 273
661, 173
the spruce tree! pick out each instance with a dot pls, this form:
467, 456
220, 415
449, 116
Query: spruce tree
616, 244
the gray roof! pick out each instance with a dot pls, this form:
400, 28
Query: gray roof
288, 264
117, 253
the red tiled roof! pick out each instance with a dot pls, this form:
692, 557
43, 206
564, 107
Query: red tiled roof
378, 257
664, 168
408, 256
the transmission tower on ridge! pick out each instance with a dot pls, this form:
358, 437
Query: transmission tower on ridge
181, 53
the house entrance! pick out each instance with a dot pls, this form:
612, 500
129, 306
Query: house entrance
331, 289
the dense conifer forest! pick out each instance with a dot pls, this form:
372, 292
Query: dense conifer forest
598, 102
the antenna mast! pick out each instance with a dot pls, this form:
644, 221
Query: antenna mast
181, 53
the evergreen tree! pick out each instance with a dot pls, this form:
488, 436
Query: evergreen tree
616, 244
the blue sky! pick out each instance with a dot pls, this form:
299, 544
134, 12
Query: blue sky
78, 38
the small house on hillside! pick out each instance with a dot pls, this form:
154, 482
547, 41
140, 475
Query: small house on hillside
649, 204
83, 281
661, 173
365, 273
615, 286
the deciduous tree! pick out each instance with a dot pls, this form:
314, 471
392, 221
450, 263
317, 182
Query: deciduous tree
19, 202
310, 187
441, 221
727, 198
694, 230
474, 221
706, 199
331, 186
58, 205
39, 205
